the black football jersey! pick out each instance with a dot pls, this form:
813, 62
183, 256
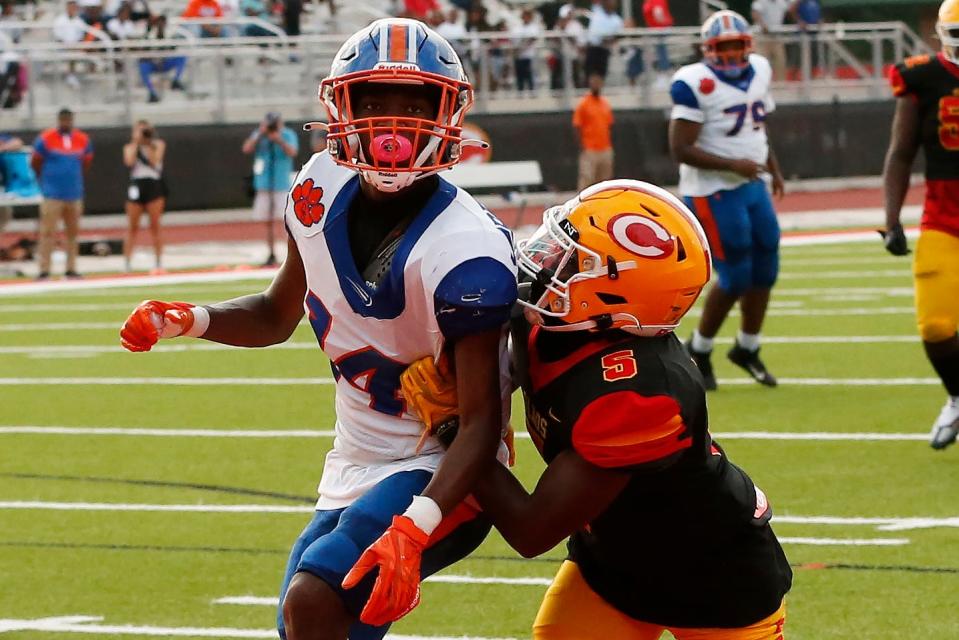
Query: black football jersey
687, 543
934, 83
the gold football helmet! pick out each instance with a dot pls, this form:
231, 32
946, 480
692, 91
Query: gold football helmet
622, 254
947, 28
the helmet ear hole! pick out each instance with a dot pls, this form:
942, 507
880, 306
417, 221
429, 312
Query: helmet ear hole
680, 250
611, 298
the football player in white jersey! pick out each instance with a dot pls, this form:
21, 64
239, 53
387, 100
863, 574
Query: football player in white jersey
391, 263
718, 134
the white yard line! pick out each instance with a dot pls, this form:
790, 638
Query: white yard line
134, 281
65, 307
75, 326
816, 436
846, 542
59, 326
92, 625
840, 275
881, 523
901, 292
66, 350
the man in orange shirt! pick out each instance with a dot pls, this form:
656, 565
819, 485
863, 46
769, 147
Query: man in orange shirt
593, 118
205, 9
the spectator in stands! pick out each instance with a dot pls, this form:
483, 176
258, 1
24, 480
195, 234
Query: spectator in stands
8, 143
92, 13
61, 157
205, 9
605, 26
454, 31
420, 9
139, 10
768, 17
274, 147
146, 191
8, 14
149, 66
808, 15
476, 22
122, 27
570, 47
255, 9
292, 10
69, 28
524, 40
593, 119
657, 16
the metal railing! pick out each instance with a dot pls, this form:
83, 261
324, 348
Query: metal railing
236, 78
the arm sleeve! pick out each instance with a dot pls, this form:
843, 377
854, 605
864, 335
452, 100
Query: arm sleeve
578, 116
626, 429
685, 103
901, 81
475, 296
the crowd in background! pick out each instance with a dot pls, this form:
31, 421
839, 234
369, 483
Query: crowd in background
582, 38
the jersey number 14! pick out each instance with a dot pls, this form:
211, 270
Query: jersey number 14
366, 369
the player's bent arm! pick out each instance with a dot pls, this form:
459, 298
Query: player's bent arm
570, 493
779, 184
476, 359
683, 135
262, 319
903, 147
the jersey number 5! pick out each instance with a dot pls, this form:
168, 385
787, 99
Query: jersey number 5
949, 123
619, 365
366, 369
758, 111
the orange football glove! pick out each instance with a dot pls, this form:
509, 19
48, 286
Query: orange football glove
396, 591
152, 320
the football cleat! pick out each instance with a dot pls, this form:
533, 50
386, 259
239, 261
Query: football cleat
946, 427
704, 364
749, 362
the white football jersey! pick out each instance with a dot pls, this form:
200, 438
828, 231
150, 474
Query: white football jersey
451, 274
732, 113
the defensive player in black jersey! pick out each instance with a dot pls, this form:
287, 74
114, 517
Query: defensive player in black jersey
927, 117
665, 533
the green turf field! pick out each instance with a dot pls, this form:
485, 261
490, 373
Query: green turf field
85, 548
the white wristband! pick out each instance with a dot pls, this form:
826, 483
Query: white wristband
425, 514
201, 322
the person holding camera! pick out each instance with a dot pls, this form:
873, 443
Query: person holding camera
146, 190
274, 147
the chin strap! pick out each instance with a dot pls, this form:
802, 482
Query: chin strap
310, 126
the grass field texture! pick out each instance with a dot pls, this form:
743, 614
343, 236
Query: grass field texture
135, 509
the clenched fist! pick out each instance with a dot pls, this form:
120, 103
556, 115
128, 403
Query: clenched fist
153, 319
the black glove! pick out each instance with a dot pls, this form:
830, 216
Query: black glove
895, 240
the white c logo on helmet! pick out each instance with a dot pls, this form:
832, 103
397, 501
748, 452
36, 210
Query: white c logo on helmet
641, 236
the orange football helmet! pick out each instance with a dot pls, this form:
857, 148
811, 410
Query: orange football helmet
947, 28
623, 254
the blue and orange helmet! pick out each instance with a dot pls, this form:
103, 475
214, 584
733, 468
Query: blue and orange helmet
400, 149
726, 26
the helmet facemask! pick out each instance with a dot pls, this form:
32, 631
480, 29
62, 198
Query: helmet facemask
394, 150
554, 261
948, 33
730, 62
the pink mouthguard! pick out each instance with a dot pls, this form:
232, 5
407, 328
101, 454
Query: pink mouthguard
389, 148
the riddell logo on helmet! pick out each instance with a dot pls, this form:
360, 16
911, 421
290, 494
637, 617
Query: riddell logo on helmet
402, 66
641, 236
